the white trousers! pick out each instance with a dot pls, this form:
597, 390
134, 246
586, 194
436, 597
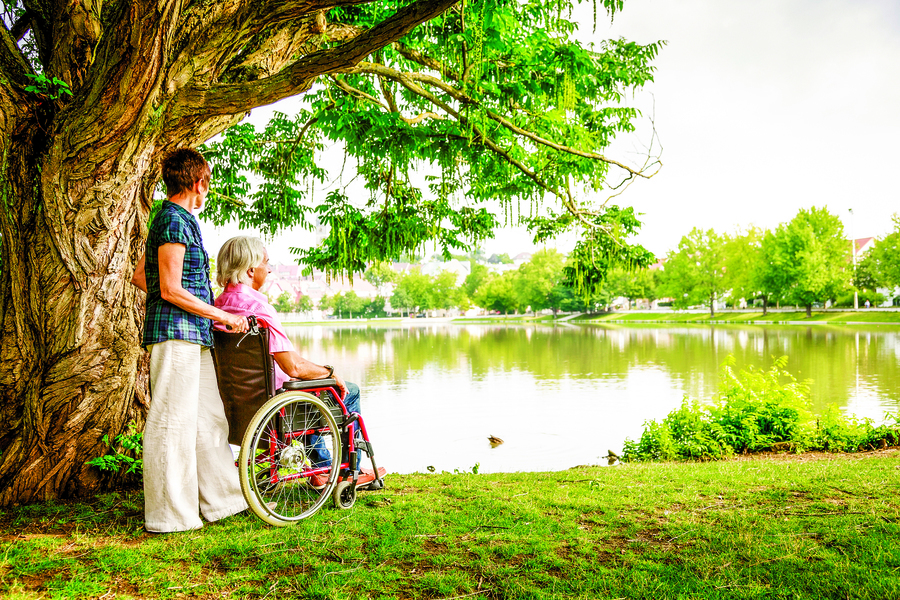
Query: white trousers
188, 464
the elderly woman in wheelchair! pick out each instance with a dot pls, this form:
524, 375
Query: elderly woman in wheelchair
290, 416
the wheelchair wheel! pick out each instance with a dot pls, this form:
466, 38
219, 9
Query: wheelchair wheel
344, 495
283, 474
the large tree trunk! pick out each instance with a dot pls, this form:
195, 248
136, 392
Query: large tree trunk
71, 319
78, 174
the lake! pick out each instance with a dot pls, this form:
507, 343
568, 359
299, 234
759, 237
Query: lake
563, 395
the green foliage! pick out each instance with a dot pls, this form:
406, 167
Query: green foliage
604, 247
695, 273
344, 304
755, 410
808, 257
129, 446
380, 273
640, 284
538, 278
303, 304
283, 303
881, 264
500, 293
845, 299
478, 275
742, 260
493, 101
48, 87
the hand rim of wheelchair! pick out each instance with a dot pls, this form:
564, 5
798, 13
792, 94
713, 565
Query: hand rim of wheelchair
256, 498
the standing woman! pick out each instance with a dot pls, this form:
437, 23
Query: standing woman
189, 469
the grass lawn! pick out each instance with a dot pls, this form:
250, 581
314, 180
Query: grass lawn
744, 317
825, 526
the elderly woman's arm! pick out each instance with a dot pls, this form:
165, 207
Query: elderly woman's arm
299, 368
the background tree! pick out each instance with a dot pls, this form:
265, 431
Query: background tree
445, 294
634, 285
499, 293
303, 304
379, 274
883, 260
742, 257
400, 300
415, 290
283, 303
769, 277
374, 308
349, 303
538, 277
478, 275
812, 255
327, 303
498, 95
695, 273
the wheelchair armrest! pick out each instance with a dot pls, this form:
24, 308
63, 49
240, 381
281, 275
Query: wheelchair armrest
314, 384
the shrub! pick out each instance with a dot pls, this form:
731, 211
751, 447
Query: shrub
130, 442
755, 410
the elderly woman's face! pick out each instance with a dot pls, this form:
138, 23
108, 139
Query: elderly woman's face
261, 272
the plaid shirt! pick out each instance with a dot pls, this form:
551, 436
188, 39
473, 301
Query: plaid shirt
165, 321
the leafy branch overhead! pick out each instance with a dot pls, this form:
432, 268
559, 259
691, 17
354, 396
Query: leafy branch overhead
492, 104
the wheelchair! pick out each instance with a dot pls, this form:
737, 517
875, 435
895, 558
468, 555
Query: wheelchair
298, 445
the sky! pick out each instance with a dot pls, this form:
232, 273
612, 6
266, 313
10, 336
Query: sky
762, 107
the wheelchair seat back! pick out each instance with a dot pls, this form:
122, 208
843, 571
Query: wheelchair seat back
246, 374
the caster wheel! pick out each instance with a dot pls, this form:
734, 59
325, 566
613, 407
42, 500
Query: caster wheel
344, 495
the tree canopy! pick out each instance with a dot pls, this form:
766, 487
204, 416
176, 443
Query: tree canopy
491, 113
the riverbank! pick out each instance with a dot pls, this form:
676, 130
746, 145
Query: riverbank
817, 526
833, 317
869, 317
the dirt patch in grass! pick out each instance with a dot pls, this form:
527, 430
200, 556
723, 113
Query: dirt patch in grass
891, 452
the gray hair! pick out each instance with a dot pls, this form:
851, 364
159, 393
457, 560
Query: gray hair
236, 257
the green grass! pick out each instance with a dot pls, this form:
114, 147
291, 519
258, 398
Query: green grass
504, 319
357, 322
835, 317
761, 528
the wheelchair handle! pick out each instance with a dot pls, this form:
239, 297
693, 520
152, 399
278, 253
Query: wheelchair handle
253, 329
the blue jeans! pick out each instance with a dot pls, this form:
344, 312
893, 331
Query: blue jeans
317, 451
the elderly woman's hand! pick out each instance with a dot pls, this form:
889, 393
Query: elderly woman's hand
341, 385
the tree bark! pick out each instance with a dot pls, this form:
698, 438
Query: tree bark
78, 174
71, 320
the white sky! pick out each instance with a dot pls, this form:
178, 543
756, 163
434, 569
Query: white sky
763, 107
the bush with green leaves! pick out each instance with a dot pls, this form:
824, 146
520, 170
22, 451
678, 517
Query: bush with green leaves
755, 410
125, 454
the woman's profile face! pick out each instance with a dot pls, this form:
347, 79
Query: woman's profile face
261, 272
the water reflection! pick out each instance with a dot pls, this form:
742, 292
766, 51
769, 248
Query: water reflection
562, 396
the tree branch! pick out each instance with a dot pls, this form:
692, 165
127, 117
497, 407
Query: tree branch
382, 71
13, 64
426, 61
22, 25
352, 91
298, 77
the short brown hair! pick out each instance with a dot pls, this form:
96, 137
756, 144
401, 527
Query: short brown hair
182, 168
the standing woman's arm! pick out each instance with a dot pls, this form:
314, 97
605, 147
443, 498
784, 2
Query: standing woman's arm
171, 259
140, 275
